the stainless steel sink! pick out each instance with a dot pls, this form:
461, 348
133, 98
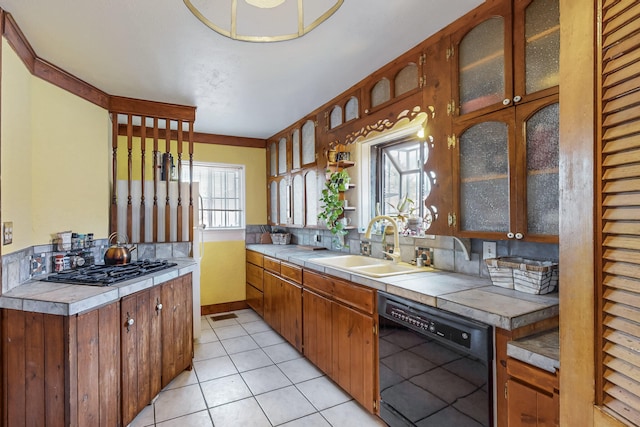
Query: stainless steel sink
367, 266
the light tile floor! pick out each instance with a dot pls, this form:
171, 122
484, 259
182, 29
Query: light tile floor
245, 374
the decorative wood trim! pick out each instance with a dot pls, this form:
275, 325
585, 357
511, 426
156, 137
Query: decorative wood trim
223, 307
140, 107
203, 138
62, 79
18, 42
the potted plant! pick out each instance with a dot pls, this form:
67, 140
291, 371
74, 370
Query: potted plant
333, 205
404, 212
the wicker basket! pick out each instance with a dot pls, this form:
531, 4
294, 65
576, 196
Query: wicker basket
525, 275
281, 238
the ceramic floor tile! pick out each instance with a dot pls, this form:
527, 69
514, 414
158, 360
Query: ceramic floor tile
239, 344
255, 327
299, 370
350, 414
313, 420
185, 378
209, 350
217, 324
199, 419
207, 335
144, 418
244, 412
265, 379
285, 404
227, 332
214, 368
323, 393
245, 316
252, 359
282, 352
224, 390
178, 402
267, 338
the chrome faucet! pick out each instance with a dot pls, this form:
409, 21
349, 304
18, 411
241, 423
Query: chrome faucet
395, 255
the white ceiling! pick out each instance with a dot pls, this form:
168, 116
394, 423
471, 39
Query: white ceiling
157, 50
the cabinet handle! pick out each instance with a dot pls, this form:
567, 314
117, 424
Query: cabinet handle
519, 236
506, 101
517, 98
510, 235
129, 322
159, 306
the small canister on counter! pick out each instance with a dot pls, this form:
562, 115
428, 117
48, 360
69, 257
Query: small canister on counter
58, 263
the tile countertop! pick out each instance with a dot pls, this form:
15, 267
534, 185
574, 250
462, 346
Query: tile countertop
541, 350
67, 299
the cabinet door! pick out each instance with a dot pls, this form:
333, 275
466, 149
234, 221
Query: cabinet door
284, 201
141, 348
271, 293
282, 156
482, 57
308, 143
291, 326
317, 325
522, 407
536, 35
354, 358
298, 200
273, 159
177, 327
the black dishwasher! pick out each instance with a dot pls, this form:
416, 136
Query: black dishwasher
435, 367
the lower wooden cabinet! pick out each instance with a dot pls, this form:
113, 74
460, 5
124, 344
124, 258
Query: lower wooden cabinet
532, 396
340, 334
283, 308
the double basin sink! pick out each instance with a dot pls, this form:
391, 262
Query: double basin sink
368, 266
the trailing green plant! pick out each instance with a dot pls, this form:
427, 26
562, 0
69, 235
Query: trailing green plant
333, 205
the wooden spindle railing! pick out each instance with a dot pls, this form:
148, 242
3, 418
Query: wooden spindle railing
143, 147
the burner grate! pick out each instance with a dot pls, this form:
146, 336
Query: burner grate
105, 275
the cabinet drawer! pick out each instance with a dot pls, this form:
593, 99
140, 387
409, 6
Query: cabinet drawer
532, 375
254, 276
272, 264
353, 295
291, 272
254, 258
255, 299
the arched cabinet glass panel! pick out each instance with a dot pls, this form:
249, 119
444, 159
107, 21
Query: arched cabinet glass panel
308, 142
282, 155
406, 80
335, 118
542, 171
285, 202
273, 202
482, 67
273, 159
484, 177
351, 109
380, 93
298, 200
295, 149
542, 45
311, 197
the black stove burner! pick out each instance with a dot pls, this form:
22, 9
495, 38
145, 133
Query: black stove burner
105, 275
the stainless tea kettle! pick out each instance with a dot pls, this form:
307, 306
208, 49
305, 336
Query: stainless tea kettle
118, 253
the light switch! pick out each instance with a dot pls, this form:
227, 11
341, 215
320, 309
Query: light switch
7, 233
488, 250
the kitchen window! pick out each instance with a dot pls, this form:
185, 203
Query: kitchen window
222, 194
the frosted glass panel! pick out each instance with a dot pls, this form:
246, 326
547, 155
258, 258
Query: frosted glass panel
282, 155
351, 109
273, 158
484, 167
308, 143
312, 198
295, 148
380, 93
482, 66
284, 202
273, 202
542, 171
406, 79
336, 117
542, 41
298, 200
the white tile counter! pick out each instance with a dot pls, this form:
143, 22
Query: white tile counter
66, 299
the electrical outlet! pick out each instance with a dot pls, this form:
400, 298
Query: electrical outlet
488, 250
317, 238
7, 233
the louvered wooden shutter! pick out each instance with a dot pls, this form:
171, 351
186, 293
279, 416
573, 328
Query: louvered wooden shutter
618, 365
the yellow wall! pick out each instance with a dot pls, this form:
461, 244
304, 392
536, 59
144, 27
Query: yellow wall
55, 159
223, 264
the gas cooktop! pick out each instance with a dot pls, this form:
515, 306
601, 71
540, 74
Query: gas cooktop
105, 275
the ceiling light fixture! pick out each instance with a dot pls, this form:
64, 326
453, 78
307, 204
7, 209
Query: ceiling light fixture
263, 20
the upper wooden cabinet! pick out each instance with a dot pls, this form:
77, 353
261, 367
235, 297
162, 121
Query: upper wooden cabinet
506, 173
508, 55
